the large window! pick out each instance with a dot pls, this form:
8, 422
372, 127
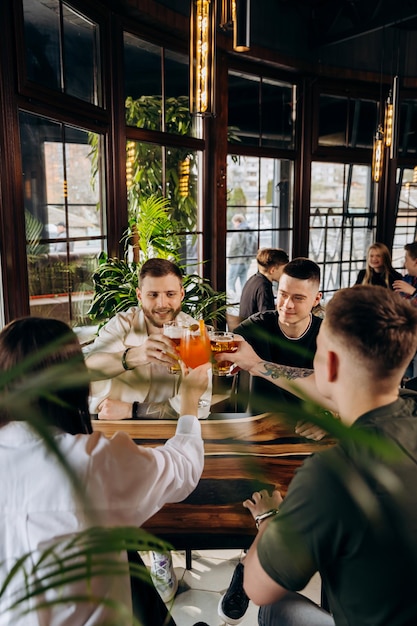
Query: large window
62, 49
260, 176
346, 121
259, 190
406, 223
173, 173
63, 216
342, 224
262, 110
156, 88
160, 165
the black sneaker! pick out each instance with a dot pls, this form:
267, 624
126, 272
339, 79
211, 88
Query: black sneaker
234, 604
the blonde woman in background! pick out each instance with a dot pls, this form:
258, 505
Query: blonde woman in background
379, 270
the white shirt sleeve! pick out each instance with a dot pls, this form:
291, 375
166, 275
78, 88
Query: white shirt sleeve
138, 480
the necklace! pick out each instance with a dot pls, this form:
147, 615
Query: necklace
302, 335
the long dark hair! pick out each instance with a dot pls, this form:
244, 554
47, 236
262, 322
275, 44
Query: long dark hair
55, 344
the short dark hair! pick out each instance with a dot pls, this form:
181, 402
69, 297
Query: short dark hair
303, 269
48, 343
158, 268
271, 257
411, 249
375, 322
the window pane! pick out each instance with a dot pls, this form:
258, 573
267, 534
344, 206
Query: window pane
63, 215
407, 138
277, 114
81, 62
177, 113
244, 114
406, 223
143, 88
362, 123
143, 83
157, 171
347, 122
342, 225
41, 27
259, 189
332, 121
79, 71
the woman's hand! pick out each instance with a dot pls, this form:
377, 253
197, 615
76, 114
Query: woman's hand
193, 385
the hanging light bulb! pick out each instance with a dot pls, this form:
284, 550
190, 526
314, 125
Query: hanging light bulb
395, 113
130, 159
378, 155
184, 177
388, 121
202, 50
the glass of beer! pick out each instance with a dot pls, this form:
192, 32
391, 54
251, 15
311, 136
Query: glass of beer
175, 331
222, 341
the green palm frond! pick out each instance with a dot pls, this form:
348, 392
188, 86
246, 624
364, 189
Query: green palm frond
79, 558
34, 228
157, 232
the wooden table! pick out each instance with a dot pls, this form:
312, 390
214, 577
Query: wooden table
243, 454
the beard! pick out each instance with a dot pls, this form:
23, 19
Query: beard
159, 317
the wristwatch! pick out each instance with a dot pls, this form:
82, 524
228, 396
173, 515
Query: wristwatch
260, 518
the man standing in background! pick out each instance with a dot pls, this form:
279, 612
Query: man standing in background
257, 294
243, 248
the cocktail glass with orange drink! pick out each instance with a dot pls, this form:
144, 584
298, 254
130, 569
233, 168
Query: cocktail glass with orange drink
194, 348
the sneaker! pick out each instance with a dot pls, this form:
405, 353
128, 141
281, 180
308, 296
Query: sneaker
234, 604
163, 575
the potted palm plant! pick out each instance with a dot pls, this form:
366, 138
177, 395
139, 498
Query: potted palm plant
151, 233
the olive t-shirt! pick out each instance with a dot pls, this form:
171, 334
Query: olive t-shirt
359, 532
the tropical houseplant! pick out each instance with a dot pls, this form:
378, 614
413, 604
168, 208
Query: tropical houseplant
152, 234
162, 213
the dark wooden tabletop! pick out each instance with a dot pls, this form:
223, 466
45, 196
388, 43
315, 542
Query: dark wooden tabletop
243, 453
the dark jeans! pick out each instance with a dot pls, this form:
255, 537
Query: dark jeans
148, 607
294, 610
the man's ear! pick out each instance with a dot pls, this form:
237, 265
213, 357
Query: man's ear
317, 299
332, 366
182, 293
138, 294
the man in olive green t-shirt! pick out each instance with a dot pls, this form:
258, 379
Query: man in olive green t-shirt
350, 512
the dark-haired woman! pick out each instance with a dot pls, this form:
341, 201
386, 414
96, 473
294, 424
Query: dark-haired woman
124, 484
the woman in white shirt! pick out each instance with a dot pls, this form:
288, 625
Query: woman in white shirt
124, 484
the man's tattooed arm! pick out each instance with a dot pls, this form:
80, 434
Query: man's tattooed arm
300, 381
274, 371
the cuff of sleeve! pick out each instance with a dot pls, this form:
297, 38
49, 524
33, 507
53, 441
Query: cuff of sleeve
188, 425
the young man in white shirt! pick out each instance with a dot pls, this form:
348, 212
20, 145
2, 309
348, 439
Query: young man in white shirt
130, 360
